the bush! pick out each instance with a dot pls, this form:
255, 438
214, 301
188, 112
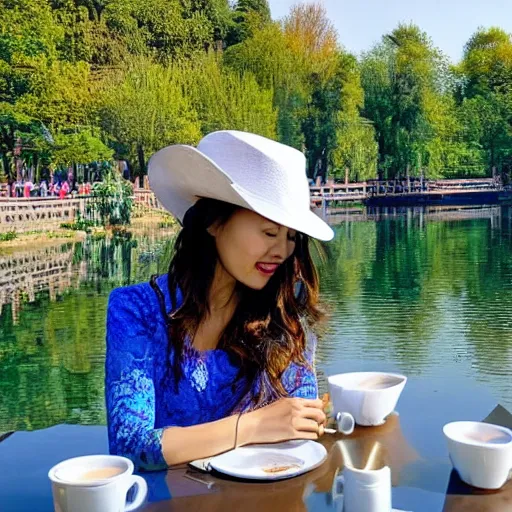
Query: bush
112, 200
9, 235
79, 225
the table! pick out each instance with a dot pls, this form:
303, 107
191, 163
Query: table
411, 442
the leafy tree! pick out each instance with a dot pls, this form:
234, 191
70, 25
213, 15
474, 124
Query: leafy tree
485, 96
406, 82
146, 108
81, 147
248, 15
112, 200
487, 63
487, 123
267, 56
226, 99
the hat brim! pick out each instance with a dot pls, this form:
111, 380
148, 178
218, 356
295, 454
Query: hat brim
180, 175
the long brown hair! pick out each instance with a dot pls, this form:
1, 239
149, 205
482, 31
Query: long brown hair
268, 328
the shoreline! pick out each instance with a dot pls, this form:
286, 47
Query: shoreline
43, 238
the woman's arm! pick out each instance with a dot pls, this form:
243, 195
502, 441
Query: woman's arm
129, 387
300, 416
288, 418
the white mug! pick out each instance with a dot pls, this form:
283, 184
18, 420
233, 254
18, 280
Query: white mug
480, 452
72, 492
363, 490
369, 397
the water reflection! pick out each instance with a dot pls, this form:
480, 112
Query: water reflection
428, 294
52, 326
431, 295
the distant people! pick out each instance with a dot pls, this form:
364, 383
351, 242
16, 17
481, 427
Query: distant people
27, 188
124, 169
43, 188
64, 190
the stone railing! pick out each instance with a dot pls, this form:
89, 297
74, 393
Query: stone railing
28, 214
146, 198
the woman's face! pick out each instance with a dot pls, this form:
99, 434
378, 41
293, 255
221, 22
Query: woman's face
251, 247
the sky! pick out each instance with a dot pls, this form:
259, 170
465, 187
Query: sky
449, 23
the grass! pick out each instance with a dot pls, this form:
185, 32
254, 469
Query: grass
168, 223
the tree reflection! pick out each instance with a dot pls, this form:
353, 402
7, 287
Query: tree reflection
420, 290
52, 351
416, 291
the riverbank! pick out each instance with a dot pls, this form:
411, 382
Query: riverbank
142, 222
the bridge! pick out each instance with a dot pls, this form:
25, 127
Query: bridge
28, 214
21, 214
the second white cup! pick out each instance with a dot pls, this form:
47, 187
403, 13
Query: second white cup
480, 452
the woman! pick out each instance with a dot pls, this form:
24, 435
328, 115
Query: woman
218, 353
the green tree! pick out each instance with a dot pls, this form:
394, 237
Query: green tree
79, 148
485, 96
487, 63
487, 123
407, 84
146, 108
227, 99
248, 15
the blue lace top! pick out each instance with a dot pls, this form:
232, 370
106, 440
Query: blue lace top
141, 403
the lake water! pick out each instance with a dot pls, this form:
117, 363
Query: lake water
427, 294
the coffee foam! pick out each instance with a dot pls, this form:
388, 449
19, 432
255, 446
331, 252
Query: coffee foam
377, 382
489, 437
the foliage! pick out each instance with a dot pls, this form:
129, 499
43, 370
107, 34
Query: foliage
8, 236
84, 81
80, 224
111, 200
146, 108
248, 16
80, 147
227, 99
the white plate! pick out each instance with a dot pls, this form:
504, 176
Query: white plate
271, 461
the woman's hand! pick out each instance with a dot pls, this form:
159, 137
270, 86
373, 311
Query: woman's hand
285, 419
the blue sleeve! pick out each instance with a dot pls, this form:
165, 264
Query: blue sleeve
129, 386
300, 380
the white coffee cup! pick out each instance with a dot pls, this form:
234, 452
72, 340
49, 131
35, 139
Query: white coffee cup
370, 397
75, 487
362, 490
480, 452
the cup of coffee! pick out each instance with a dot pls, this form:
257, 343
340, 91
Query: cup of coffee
96, 483
480, 452
362, 490
369, 397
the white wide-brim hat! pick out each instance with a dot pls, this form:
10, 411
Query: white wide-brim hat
242, 169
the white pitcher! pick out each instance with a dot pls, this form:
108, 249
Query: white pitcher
366, 488
363, 490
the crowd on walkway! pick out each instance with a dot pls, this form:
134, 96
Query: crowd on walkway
58, 188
